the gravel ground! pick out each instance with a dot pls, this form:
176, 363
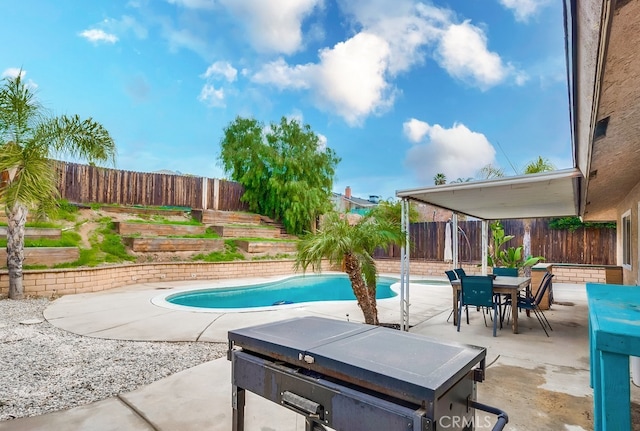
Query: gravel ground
44, 369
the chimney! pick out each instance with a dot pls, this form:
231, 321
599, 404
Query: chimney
347, 192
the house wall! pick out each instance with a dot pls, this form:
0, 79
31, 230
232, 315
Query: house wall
630, 202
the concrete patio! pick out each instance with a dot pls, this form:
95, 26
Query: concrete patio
541, 382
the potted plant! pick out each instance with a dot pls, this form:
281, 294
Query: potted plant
511, 257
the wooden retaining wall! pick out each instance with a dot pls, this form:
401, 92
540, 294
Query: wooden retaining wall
44, 255
144, 229
211, 217
246, 232
267, 246
150, 245
36, 232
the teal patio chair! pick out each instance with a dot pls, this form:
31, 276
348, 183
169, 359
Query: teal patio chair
477, 290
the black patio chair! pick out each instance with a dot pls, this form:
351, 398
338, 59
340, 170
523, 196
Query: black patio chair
531, 303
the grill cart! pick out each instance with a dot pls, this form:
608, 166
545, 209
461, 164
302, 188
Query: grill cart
355, 377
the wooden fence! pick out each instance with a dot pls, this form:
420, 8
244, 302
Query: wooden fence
584, 245
90, 184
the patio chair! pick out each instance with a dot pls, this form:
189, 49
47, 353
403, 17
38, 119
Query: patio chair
478, 290
506, 272
460, 272
502, 298
531, 303
451, 275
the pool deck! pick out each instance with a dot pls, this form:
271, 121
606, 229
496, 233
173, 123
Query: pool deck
542, 383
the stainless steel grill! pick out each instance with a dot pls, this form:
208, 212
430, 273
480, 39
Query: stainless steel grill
356, 377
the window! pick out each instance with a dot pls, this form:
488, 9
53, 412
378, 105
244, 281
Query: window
626, 239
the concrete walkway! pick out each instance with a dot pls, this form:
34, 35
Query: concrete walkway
542, 383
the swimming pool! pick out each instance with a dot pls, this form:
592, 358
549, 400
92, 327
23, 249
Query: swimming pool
290, 292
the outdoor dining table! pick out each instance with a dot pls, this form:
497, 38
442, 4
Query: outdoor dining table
501, 284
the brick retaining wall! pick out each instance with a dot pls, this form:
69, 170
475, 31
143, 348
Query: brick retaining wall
55, 282
562, 274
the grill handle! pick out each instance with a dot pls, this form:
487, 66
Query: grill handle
503, 419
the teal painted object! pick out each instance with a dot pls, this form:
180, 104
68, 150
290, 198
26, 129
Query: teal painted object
614, 335
507, 272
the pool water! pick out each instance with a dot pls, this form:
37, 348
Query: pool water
295, 290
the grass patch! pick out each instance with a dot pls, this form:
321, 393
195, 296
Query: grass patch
65, 211
229, 254
162, 220
276, 257
67, 239
106, 247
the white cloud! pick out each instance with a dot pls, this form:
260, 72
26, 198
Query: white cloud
283, 76
415, 129
221, 69
272, 28
463, 53
524, 9
349, 78
322, 142
96, 36
407, 27
13, 72
457, 152
126, 24
211, 96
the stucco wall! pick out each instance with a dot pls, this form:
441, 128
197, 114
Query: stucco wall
630, 202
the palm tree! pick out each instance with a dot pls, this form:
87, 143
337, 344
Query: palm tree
490, 171
350, 246
533, 167
440, 179
28, 138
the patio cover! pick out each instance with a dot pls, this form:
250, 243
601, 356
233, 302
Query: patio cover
548, 194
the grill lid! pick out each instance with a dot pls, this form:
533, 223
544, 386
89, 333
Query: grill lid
395, 363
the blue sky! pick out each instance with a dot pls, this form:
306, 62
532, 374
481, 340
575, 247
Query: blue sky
400, 89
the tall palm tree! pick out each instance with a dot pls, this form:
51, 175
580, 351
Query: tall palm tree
350, 246
28, 140
440, 179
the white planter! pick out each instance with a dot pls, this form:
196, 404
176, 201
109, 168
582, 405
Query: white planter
635, 369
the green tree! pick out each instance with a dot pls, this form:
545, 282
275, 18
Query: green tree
440, 179
352, 247
533, 167
489, 172
28, 140
286, 173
